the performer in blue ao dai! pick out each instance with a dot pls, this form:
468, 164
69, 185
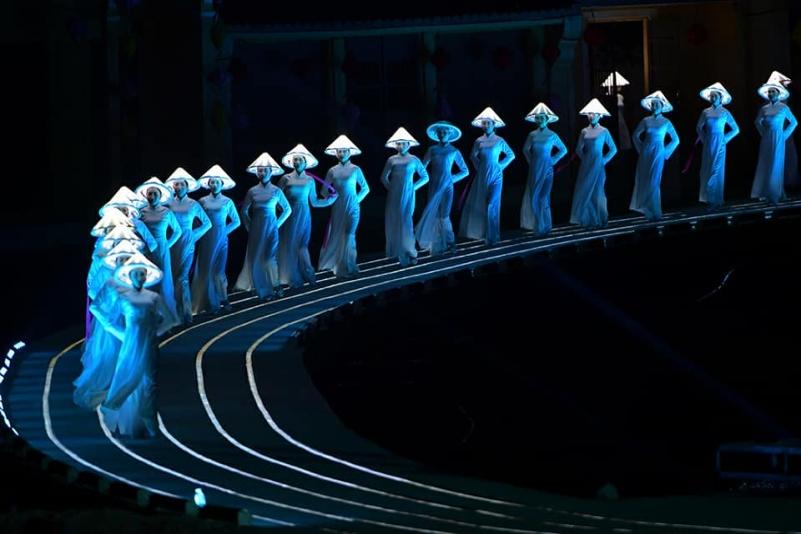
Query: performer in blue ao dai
160, 220
589, 198
398, 179
187, 211
294, 261
481, 217
434, 231
792, 179
100, 349
770, 123
264, 210
535, 211
338, 252
711, 128
649, 141
210, 284
130, 404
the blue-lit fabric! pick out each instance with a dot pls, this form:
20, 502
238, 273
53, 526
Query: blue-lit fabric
481, 216
649, 141
769, 176
158, 221
589, 199
210, 284
434, 231
100, 349
338, 252
130, 406
398, 178
260, 270
186, 211
535, 210
294, 262
711, 129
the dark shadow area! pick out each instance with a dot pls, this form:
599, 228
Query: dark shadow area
628, 365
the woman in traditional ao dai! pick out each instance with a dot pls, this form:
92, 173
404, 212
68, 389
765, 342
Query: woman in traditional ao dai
338, 252
770, 123
130, 405
159, 220
398, 178
101, 347
186, 210
589, 199
294, 261
434, 231
535, 211
210, 284
649, 140
264, 200
481, 218
711, 130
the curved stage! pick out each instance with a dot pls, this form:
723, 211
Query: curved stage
240, 417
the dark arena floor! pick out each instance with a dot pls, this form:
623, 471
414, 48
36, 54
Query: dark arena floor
407, 399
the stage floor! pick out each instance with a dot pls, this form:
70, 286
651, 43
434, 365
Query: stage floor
240, 418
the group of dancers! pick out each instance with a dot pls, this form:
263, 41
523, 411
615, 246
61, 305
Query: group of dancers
154, 235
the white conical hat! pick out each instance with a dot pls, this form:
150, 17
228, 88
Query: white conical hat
401, 135
777, 81
299, 150
123, 198
216, 172
342, 142
716, 87
615, 79
594, 106
778, 78
454, 133
138, 261
166, 192
488, 114
541, 109
113, 217
763, 89
656, 95
121, 233
180, 174
122, 249
265, 160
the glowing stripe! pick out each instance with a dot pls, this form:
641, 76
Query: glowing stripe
19, 344
209, 485
264, 518
245, 496
268, 417
568, 525
664, 524
607, 232
216, 423
285, 486
51, 434
271, 520
514, 242
274, 425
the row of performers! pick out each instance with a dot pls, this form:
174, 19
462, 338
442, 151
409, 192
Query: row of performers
133, 250
281, 257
